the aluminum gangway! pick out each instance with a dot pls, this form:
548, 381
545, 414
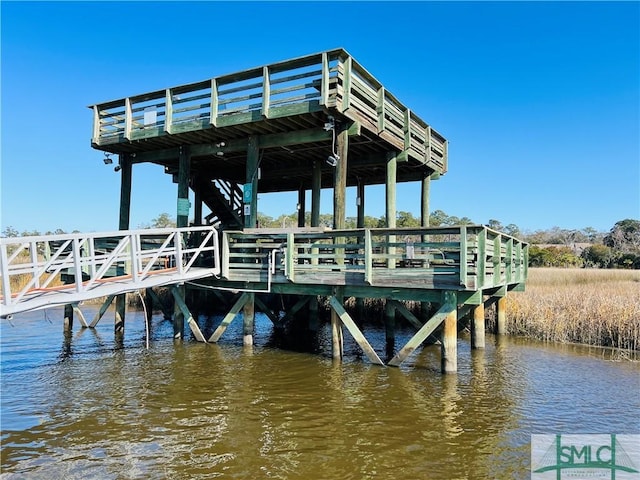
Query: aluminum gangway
42, 271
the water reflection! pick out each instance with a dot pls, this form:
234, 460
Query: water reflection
100, 408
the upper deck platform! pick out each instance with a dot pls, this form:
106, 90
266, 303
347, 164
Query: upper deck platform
287, 105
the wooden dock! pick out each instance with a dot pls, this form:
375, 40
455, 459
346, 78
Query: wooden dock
316, 122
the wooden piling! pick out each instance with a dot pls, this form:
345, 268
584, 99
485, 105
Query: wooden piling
182, 220
67, 324
449, 347
424, 203
337, 347
390, 190
313, 314
390, 328
501, 316
251, 174
477, 327
340, 179
301, 206
360, 204
248, 320
121, 309
316, 184
123, 224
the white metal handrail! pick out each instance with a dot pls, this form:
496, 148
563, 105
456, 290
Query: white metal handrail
82, 263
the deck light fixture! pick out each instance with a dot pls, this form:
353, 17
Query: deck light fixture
117, 168
107, 159
334, 158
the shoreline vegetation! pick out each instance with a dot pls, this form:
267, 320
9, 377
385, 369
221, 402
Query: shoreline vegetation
595, 307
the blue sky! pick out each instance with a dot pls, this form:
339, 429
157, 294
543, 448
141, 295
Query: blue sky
540, 101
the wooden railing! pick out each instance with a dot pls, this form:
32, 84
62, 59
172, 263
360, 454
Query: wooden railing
326, 80
87, 265
456, 258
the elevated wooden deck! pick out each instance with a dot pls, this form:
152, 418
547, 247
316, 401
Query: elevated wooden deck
286, 105
416, 264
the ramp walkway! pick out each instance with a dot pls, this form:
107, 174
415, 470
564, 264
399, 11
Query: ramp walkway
43, 271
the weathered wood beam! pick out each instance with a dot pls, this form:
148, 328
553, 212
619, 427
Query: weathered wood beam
340, 179
101, 311
357, 335
253, 154
275, 319
424, 200
360, 204
126, 175
427, 329
78, 312
477, 327
301, 206
449, 339
501, 316
229, 317
193, 325
289, 314
389, 328
337, 341
390, 196
248, 320
316, 187
184, 173
410, 317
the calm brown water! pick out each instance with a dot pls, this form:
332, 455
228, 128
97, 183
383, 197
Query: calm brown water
91, 408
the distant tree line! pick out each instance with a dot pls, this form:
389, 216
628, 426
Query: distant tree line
555, 247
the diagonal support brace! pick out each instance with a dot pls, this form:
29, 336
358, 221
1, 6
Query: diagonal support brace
193, 325
427, 329
101, 312
355, 332
226, 321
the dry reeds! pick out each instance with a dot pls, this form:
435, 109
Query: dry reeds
588, 306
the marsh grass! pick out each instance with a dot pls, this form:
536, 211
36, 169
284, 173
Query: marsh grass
588, 306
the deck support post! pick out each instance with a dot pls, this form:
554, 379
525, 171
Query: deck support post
124, 161
501, 316
313, 313
360, 312
248, 320
251, 174
390, 328
316, 186
477, 327
424, 203
197, 207
449, 346
337, 346
148, 305
360, 204
340, 178
67, 324
301, 206
182, 220
390, 190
